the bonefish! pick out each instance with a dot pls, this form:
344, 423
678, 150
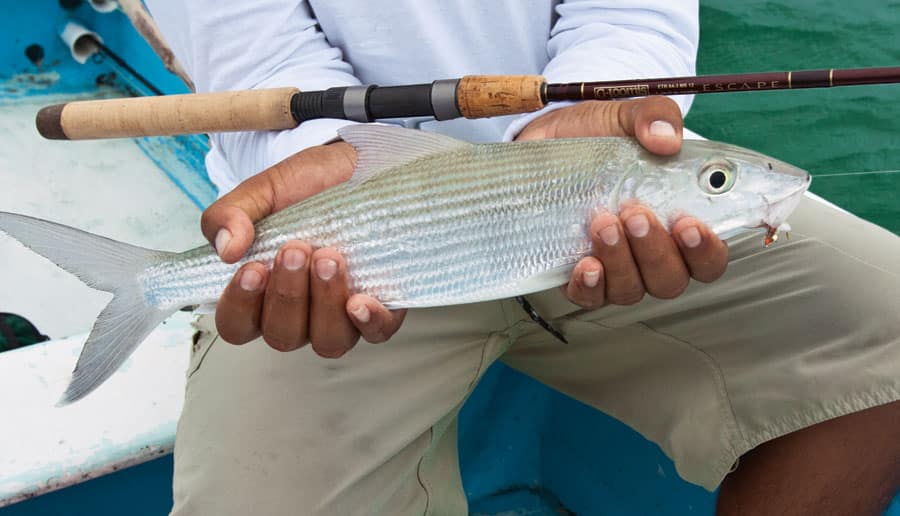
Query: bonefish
428, 220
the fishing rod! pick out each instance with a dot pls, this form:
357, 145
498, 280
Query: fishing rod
472, 96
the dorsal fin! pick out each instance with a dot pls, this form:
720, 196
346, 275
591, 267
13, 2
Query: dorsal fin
380, 147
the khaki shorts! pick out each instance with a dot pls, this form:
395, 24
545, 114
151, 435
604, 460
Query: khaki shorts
792, 335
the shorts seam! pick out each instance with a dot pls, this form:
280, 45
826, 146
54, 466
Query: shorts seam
480, 367
513, 326
853, 257
719, 378
803, 238
423, 483
507, 317
832, 409
421, 480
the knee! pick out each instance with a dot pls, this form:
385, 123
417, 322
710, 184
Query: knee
847, 465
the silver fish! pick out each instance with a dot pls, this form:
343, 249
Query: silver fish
428, 220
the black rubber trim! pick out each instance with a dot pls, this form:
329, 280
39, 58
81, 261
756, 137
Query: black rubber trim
309, 105
333, 105
400, 101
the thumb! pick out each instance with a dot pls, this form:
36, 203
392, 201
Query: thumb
228, 228
228, 223
655, 121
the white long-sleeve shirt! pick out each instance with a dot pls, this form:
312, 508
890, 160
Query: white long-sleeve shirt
317, 44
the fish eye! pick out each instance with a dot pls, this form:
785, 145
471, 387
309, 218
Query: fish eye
717, 178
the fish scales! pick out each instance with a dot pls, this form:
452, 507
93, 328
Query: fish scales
427, 220
454, 227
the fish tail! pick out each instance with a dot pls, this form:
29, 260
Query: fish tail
103, 264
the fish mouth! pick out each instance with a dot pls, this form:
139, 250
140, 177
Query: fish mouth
779, 209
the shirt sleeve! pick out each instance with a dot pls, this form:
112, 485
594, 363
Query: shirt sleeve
604, 40
233, 45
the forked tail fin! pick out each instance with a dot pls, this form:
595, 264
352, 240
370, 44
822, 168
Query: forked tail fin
103, 264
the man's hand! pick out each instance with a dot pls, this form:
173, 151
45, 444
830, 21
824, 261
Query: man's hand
634, 254
305, 297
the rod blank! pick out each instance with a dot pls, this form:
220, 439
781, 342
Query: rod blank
728, 83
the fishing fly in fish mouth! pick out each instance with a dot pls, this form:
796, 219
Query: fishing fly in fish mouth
428, 220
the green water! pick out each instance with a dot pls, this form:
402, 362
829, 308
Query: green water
825, 131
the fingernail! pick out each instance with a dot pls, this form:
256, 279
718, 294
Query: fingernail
590, 278
251, 280
361, 313
690, 237
610, 235
294, 259
638, 226
222, 239
326, 269
662, 128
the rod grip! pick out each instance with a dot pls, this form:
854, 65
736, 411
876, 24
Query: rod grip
480, 96
247, 110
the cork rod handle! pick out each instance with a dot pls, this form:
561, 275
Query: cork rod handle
248, 110
480, 96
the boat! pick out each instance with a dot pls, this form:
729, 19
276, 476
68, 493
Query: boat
546, 454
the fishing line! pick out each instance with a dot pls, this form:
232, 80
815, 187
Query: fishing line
872, 172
